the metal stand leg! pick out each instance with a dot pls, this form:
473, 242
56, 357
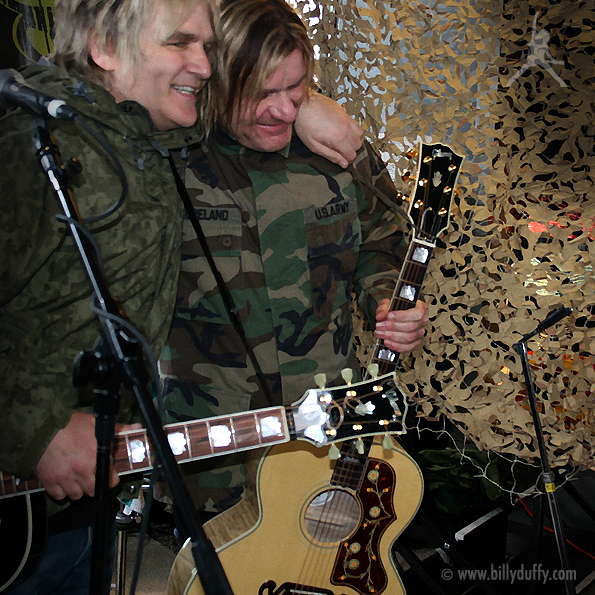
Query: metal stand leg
121, 552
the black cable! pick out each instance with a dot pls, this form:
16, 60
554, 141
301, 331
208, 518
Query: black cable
123, 180
146, 350
223, 289
88, 235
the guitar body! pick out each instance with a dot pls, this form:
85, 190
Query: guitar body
322, 415
310, 535
23, 527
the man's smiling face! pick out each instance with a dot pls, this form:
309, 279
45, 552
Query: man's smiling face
170, 72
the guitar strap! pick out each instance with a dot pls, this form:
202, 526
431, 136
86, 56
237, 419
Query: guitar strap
223, 290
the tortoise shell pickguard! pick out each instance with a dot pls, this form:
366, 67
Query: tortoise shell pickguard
358, 563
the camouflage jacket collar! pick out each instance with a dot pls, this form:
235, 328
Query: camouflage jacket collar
224, 139
96, 104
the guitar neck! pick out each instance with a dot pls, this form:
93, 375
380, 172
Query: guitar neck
189, 441
405, 295
429, 211
353, 460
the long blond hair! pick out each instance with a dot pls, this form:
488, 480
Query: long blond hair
253, 38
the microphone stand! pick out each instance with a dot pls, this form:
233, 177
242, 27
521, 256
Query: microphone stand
546, 475
115, 361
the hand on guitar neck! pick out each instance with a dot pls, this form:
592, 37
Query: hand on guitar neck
401, 330
67, 467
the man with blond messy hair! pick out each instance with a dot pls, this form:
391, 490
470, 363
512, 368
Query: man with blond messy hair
132, 69
292, 235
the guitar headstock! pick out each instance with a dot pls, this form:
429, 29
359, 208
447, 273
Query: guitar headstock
430, 201
326, 415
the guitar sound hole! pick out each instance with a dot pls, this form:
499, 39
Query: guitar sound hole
333, 515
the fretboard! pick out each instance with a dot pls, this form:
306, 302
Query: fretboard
405, 295
349, 468
198, 439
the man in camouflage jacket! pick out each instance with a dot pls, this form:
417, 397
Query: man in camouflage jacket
292, 235
46, 316
132, 69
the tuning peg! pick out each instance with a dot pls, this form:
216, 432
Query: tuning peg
406, 177
320, 380
428, 159
412, 154
373, 370
347, 374
359, 446
334, 453
387, 442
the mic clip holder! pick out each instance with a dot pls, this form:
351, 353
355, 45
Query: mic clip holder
115, 361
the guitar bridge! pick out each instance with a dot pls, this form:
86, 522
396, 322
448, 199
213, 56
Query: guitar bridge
269, 587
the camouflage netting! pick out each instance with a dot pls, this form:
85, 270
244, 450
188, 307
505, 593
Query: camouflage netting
522, 230
521, 237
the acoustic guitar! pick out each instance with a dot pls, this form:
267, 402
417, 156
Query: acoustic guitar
322, 416
326, 527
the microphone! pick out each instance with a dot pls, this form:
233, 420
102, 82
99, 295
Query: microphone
15, 90
549, 320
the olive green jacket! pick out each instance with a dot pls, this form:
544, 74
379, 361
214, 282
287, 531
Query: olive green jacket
45, 296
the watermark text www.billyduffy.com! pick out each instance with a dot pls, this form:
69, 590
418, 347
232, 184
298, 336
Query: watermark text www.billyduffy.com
504, 573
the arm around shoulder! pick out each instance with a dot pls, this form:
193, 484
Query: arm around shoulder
327, 130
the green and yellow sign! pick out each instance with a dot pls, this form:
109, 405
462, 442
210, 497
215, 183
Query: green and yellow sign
26, 28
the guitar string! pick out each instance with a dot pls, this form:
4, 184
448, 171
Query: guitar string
409, 266
347, 474
347, 477
319, 562
345, 471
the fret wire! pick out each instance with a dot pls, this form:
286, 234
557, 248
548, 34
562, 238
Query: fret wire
188, 442
130, 464
413, 266
414, 271
258, 428
290, 420
148, 446
210, 437
233, 432
415, 280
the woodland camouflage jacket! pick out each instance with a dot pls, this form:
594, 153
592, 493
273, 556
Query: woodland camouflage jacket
45, 315
293, 236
